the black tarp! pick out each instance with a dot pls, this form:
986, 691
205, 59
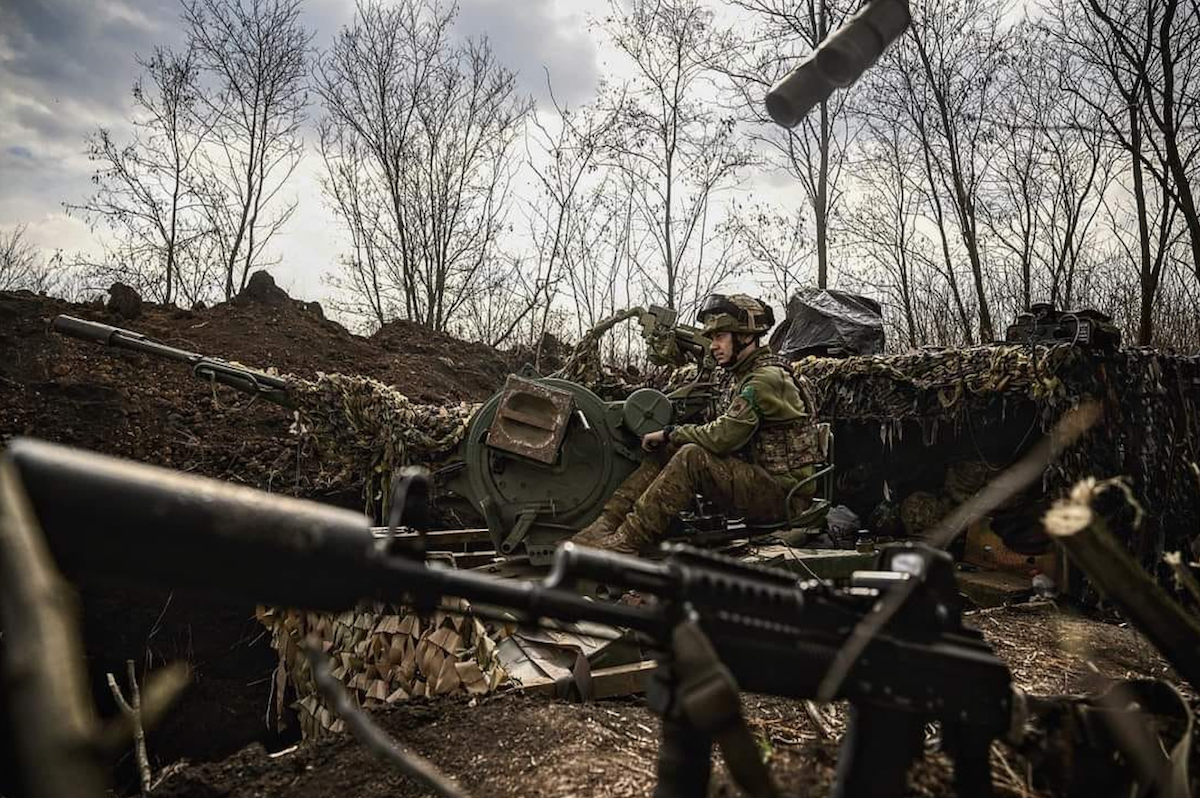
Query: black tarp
821, 321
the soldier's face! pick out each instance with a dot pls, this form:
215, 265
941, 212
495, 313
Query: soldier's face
722, 348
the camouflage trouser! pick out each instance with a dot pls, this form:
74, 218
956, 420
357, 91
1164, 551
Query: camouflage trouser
653, 494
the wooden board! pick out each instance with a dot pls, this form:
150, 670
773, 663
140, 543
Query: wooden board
618, 680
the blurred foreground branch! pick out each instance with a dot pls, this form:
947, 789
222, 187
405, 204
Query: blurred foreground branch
1084, 533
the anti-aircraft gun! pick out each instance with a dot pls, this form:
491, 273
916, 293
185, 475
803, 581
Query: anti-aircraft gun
539, 458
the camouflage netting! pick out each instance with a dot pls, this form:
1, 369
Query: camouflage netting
360, 430
943, 385
382, 654
1150, 433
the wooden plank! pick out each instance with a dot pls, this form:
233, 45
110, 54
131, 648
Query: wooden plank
994, 588
618, 680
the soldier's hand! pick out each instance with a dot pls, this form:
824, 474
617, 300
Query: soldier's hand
653, 440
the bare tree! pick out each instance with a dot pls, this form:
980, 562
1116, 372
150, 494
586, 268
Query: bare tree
1142, 91
675, 152
362, 283
253, 54
1049, 172
945, 84
777, 247
602, 252
883, 224
419, 141
815, 152
564, 159
148, 191
23, 266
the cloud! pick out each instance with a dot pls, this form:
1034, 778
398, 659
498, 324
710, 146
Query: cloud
533, 37
67, 66
82, 53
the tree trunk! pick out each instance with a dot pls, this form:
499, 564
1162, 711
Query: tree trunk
1147, 283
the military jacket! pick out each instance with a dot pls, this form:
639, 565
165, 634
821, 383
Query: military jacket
768, 419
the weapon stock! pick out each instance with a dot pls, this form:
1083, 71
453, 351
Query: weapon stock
774, 634
213, 369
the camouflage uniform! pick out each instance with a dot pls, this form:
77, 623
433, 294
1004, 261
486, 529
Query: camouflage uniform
745, 461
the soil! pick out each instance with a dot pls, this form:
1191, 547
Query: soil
216, 743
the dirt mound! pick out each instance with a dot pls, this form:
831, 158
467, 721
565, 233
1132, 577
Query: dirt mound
121, 403
442, 365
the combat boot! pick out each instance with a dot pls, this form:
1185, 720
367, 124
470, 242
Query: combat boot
598, 533
603, 527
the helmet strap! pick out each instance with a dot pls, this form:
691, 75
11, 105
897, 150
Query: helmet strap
742, 342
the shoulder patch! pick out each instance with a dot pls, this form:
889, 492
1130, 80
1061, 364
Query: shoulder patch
750, 396
739, 407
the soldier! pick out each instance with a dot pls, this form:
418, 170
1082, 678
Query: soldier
745, 461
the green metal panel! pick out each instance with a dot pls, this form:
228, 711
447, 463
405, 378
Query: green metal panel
537, 504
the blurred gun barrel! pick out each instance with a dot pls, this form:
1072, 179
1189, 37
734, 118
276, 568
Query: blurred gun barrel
112, 520
119, 338
109, 520
838, 61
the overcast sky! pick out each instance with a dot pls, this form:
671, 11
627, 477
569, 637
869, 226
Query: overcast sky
66, 67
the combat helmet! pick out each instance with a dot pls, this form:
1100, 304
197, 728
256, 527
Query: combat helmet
735, 313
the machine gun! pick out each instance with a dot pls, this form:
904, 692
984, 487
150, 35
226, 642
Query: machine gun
539, 458
716, 625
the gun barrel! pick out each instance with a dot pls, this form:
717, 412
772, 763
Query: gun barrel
838, 61
129, 522
270, 387
120, 338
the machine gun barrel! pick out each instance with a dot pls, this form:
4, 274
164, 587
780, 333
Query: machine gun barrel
258, 383
111, 518
128, 522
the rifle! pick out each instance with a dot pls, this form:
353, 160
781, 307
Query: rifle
213, 369
717, 625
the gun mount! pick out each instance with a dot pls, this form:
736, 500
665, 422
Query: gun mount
538, 459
